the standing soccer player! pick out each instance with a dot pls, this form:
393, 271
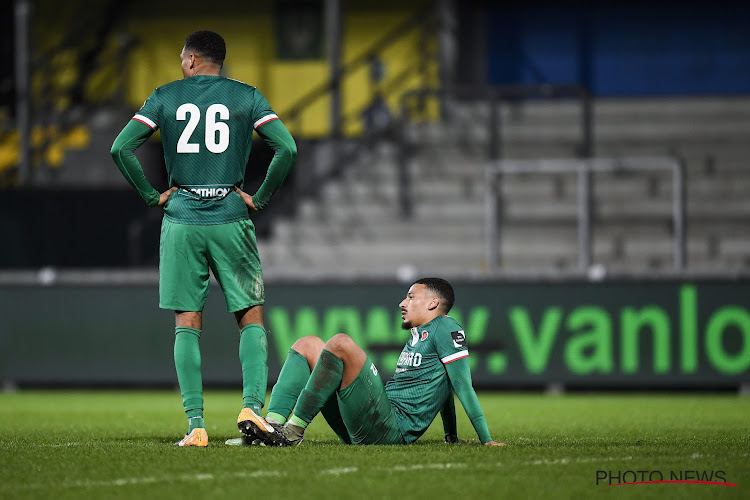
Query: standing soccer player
206, 124
339, 380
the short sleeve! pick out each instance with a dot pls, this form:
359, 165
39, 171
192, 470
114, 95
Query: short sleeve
149, 112
450, 341
262, 112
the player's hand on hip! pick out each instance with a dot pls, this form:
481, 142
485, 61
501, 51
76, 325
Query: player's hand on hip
165, 196
247, 199
494, 443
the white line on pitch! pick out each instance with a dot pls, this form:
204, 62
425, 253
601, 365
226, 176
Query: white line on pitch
259, 473
338, 472
408, 468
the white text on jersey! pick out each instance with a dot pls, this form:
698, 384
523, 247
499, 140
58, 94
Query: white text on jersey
409, 359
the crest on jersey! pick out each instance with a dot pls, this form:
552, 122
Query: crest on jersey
424, 335
414, 336
459, 339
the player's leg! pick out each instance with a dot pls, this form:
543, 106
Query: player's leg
233, 257
326, 378
253, 354
366, 410
338, 365
300, 360
183, 287
187, 360
343, 346
344, 371
332, 413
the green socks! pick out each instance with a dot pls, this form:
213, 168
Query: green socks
187, 361
253, 357
292, 379
323, 383
194, 423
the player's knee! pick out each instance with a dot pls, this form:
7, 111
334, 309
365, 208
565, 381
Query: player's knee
308, 345
340, 343
190, 319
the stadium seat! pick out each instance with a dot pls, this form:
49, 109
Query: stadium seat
356, 220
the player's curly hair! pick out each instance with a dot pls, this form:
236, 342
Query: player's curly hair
442, 289
208, 44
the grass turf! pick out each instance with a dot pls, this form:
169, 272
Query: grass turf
118, 444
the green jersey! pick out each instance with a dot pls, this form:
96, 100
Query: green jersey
206, 125
420, 387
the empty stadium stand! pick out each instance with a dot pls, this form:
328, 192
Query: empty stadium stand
355, 228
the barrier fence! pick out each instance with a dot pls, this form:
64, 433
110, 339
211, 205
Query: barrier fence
583, 169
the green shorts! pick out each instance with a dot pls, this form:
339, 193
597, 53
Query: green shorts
366, 411
187, 252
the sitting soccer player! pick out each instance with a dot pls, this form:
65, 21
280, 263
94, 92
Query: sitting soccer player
337, 379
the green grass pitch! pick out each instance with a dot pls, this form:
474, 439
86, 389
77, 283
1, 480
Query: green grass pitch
118, 444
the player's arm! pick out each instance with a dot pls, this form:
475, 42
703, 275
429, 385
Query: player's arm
448, 416
123, 149
460, 378
278, 138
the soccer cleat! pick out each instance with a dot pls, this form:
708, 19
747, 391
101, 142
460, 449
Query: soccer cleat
256, 427
244, 441
198, 437
293, 434
249, 439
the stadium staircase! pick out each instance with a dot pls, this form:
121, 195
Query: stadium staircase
354, 227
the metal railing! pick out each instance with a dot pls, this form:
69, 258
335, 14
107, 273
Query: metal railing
345, 152
415, 100
584, 168
423, 18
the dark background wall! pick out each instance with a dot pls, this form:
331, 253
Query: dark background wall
633, 49
93, 227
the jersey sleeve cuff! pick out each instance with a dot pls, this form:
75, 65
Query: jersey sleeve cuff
146, 121
153, 200
453, 357
264, 120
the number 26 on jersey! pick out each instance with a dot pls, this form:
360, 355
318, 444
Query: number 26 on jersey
217, 132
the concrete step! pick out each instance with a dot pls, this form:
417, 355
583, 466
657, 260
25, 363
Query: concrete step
543, 249
604, 109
